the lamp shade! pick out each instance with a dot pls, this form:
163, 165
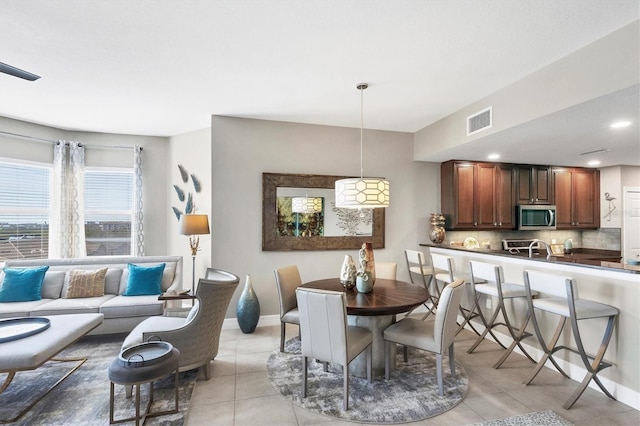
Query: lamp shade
194, 224
356, 193
306, 204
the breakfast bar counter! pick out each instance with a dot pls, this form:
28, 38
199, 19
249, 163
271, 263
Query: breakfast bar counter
608, 282
590, 258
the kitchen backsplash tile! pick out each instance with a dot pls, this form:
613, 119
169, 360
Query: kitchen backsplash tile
603, 239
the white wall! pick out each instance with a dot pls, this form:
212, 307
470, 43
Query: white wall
242, 149
579, 77
193, 151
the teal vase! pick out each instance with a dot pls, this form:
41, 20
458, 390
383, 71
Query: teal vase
248, 309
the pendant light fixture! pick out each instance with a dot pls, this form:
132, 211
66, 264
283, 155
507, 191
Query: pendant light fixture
358, 193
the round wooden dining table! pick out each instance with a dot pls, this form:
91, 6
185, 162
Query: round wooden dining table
375, 311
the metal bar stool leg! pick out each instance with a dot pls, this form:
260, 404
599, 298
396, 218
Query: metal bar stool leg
592, 368
547, 348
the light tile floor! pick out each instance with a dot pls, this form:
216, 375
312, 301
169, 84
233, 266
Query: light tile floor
239, 392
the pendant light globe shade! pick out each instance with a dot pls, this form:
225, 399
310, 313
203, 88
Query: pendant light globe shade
356, 193
306, 205
362, 192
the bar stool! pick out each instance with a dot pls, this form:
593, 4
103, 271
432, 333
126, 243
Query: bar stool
567, 305
418, 266
446, 264
495, 286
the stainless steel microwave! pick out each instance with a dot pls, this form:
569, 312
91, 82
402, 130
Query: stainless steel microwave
536, 217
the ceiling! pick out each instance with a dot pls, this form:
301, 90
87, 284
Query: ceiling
164, 67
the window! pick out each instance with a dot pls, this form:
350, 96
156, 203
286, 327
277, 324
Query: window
24, 210
108, 198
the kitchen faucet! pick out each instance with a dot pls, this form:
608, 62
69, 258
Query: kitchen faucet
537, 244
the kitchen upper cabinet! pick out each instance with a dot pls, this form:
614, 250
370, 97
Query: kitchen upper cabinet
477, 195
576, 198
534, 184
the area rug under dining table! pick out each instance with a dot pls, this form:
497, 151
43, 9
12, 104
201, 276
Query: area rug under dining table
83, 397
410, 395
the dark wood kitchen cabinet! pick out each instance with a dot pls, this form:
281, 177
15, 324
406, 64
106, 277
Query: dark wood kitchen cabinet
577, 198
534, 184
477, 195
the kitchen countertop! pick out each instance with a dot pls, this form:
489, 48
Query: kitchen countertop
588, 258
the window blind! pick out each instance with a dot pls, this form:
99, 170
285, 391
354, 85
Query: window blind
24, 210
108, 198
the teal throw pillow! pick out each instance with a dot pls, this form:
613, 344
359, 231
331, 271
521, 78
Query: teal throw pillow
144, 280
22, 285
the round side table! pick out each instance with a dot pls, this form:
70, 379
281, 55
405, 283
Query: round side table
135, 376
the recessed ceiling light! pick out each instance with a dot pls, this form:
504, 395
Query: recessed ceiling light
493, 156
620, 124
594, 163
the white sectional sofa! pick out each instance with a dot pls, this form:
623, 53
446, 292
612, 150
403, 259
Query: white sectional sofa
121, 313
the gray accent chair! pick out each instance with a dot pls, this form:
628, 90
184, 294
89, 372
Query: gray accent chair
287, 281
326, 336
196, 337
432, 336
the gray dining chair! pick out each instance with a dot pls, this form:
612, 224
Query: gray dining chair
432, 336
326, 337
287, 280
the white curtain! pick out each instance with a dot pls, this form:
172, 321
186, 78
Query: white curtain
66, 225
137, 227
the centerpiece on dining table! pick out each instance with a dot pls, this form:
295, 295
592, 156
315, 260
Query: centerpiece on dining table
366, 275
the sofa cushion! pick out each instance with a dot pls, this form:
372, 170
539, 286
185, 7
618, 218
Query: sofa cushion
85, 283
52, 284
168, 276
84, 305
20, 309
112, 281
22, 285
132, 306
144, 280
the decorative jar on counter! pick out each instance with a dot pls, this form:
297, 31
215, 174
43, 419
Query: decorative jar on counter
437, 233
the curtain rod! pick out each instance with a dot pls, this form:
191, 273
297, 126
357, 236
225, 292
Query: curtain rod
16, 135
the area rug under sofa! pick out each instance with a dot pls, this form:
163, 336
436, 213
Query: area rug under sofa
83, 398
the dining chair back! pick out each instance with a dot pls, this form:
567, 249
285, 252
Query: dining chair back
325, 335
563, 301
287, 281
436, 337
386, 270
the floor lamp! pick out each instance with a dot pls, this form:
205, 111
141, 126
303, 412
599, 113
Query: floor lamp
194, 225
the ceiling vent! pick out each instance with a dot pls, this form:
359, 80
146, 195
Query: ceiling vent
479, 121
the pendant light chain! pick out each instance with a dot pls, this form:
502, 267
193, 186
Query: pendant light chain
361, 87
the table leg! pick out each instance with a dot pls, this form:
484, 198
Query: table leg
377, 325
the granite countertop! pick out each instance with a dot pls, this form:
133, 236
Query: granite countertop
588, 258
